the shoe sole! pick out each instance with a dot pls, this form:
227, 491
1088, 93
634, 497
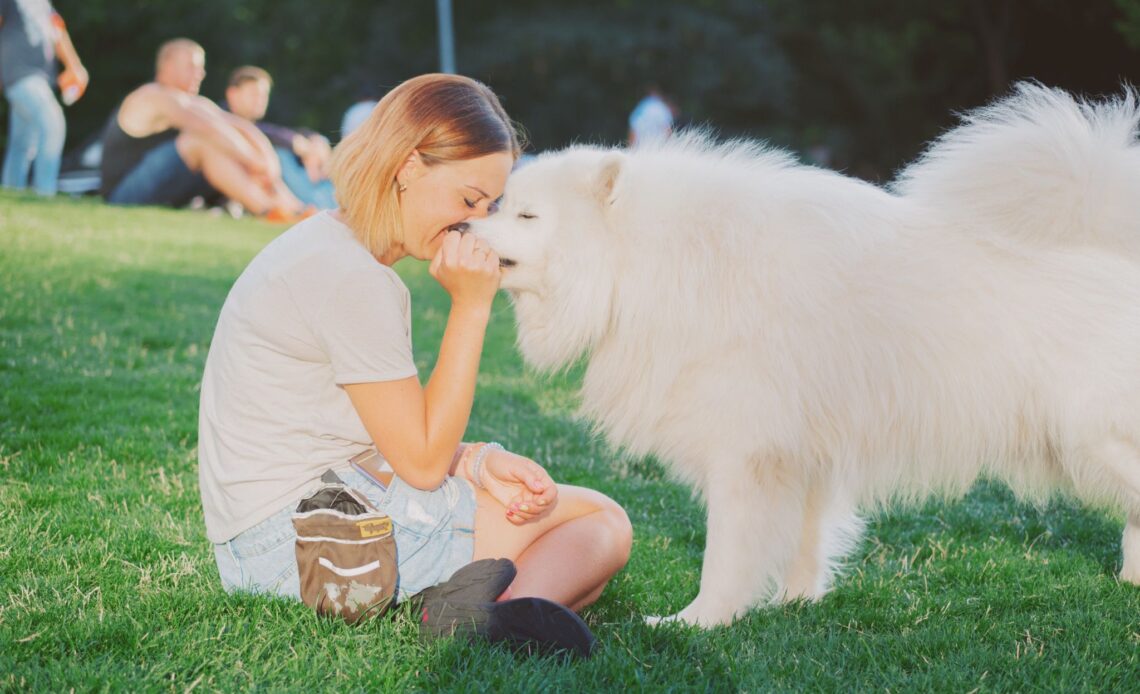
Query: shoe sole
539, 623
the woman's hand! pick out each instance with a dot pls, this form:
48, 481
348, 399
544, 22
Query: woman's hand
467, 268
519, 484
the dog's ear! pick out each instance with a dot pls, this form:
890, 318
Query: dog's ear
605, 182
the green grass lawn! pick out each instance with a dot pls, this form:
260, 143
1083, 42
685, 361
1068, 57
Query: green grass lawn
107, 581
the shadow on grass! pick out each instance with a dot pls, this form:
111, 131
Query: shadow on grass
990, 513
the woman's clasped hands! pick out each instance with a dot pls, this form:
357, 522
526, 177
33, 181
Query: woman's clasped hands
522, 486
467, 268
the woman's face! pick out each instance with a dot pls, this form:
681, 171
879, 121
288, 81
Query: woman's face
441, 196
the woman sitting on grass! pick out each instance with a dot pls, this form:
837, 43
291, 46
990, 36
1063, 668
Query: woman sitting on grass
311, 364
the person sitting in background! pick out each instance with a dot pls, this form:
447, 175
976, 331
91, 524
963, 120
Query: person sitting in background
32, 35
302, 153
166, 145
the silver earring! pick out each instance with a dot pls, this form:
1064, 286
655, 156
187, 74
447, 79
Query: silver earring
400, 187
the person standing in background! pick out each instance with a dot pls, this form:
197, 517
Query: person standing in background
32, 36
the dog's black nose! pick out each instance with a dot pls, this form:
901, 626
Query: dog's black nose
462, 227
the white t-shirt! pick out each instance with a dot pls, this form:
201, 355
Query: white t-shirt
313, 311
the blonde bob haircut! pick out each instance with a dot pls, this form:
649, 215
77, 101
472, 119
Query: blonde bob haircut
443, 117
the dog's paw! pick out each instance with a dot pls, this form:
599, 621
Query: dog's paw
690, 617
1130, 548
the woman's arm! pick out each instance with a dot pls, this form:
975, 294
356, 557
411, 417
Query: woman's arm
418, 429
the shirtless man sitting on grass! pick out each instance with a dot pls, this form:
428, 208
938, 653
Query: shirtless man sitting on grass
167, 144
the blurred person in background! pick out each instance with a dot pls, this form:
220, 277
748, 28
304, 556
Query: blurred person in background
357, 113
651, 120
32, 36
166, 145
302, 153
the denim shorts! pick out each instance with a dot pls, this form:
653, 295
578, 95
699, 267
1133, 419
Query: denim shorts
160, 178
434, 532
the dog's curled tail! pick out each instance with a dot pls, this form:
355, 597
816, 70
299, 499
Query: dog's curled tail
1039, 166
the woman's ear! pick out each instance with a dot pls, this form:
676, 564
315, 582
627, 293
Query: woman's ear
412, 168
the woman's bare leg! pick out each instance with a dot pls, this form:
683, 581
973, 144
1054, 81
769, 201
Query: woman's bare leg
566, 556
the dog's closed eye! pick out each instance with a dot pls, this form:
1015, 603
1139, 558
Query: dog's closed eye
527, 215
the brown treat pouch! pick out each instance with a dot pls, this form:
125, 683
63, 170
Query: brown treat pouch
346, 555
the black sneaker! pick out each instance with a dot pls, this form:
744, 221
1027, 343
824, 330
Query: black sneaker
465, 606
477, 583
526, 624
536, 624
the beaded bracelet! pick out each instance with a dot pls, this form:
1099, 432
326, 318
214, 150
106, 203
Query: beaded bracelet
480, 456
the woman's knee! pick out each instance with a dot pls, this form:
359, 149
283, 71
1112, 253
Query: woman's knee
615, 530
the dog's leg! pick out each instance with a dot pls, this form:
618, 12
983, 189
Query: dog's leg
1121, 457
830, 531
753, 528
1130, 546
806, 577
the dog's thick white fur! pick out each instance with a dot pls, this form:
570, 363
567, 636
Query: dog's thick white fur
796, 344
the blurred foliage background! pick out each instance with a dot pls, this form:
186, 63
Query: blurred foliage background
868, 80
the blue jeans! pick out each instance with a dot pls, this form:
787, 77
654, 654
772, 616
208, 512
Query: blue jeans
36, 130
434, 533
319, 194
160, 178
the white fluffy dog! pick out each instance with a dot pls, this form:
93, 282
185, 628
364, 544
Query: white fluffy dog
796, 344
